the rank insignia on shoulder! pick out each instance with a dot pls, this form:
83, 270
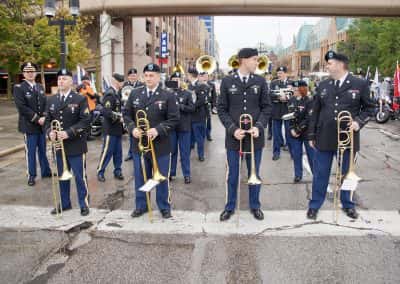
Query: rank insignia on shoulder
107, 104
86, 111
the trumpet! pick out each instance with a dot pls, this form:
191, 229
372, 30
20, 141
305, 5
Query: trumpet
282, 94
206, 64
345, 142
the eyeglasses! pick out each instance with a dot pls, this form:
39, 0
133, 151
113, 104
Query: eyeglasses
29, 71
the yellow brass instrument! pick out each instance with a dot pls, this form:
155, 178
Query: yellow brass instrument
178, 68
206, 64
125, 92
233, 62
345, 142
58, 145
263, 63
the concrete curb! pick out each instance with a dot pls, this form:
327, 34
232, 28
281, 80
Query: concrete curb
12, 150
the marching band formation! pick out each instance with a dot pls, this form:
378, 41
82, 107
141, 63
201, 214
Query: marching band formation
164, 118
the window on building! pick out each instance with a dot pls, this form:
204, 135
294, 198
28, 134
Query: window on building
305, 63
157, 31
148, 49
148, 26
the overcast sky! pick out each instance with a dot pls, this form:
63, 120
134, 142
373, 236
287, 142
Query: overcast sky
233, 33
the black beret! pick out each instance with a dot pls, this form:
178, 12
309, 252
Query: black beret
28, 66
176, 75
247, 52
132, 71
120, 78
203, 73
300, 83
337, 56
64, 72
151, 67
85, 77
281, 68
193, 71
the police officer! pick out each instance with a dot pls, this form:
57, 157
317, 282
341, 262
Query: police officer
299, 106
199, 117
181, 135
343, 92
163, 115
113, 129
30, 101
279, 108
72, 111
243, 93
135, 83
212, 102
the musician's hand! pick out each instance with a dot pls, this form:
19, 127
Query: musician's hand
312, 143
254, 132
355, 126
41, 120
294, 133
62, 135
52, 136
239, 134
137, 133
152, 133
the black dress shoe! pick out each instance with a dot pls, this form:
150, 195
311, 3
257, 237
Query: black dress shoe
128, 159
312, 214
119, 176
47, 175
297, 179
31, 181
275, 157
101, 178
209, 139
187, 180
269, 137
351, 213
171, 178
201, 159
285, 148
225, 215
85, 211
166, 214
258, 214
138, 212
58, 210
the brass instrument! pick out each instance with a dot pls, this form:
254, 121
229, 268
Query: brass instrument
233, 62
345, 142
282, 94
54, 146
206, 64
145, 145
125, 92
178, 68
263, 63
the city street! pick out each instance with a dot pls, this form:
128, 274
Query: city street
109, 246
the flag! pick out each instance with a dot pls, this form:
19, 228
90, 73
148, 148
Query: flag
367, 75
396, 96
106, 84
80, 72
375, 86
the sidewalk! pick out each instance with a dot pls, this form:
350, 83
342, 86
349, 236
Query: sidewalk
9, 135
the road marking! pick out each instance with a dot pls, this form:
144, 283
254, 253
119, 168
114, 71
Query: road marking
276, 223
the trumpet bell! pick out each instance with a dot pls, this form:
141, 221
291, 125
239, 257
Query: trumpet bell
206, 64
254, 180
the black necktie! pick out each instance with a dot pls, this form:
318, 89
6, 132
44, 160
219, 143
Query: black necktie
149, 94
244, 80
337, 84
61, 98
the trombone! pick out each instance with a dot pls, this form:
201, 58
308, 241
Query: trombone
145, 145
58, 145
345, 142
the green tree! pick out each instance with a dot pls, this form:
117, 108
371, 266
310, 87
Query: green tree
373, 42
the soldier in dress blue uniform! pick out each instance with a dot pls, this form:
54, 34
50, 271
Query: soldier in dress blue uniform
243, 92
113, 129
135, 83
30, 101
71, 110
342, 92
279, 108
181, 135
212, 103
299, 106
162, 112
199, 117
268, 79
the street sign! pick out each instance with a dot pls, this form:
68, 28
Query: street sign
164, 45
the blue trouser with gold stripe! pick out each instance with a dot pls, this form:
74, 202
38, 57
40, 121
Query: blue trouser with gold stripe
297, 154
112, 148
78, 165
181, 140
278, 137
322, 171
233, 179
36, 142
162, 189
